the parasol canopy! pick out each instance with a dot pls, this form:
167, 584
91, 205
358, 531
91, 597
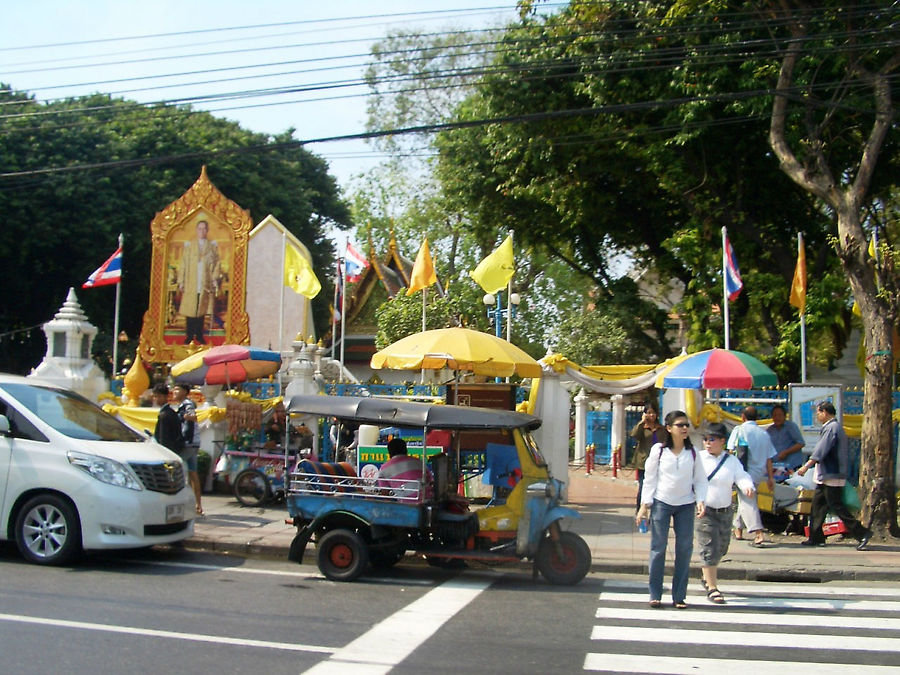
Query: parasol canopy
717, 369
457, 349
227, 364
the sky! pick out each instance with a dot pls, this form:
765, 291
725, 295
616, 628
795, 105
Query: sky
163, 50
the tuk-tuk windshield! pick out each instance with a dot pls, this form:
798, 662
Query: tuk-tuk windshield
533, 449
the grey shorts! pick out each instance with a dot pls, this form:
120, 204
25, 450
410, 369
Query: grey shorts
189, 455
713, 534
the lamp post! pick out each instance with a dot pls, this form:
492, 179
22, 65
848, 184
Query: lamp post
496, 312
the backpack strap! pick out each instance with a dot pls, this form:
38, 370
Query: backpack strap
718, 466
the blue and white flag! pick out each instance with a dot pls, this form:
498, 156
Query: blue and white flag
108, 274
733, 283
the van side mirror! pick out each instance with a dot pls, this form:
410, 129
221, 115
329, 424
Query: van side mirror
4, 425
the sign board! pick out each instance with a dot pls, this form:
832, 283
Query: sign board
803, 399
484, 395
371, 457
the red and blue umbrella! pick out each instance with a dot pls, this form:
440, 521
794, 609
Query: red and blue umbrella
717, 369
227, 364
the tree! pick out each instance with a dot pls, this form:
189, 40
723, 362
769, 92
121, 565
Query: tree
418, 81
816, 123
60, 225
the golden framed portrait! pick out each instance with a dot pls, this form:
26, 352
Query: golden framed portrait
197, 276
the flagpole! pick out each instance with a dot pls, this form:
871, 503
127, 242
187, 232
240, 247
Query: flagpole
281, 306
334, 308
343, 314
725, 287
115, 340
802, 318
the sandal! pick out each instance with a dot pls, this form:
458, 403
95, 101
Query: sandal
715, 596
739, 535
680, 605
655, 604
759, 544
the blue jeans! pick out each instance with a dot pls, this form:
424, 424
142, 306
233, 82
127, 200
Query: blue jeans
682, 518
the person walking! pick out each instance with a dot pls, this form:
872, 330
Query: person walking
831, 459
646, 433
713, 528
187, 414
759, 453
674, 488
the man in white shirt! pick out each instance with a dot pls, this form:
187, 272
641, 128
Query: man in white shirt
760, 453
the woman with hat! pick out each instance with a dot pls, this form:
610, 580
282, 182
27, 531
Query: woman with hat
713, 528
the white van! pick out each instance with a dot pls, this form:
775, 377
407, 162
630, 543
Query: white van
73, 477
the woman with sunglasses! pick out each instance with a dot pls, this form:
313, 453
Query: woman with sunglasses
674, 488
713, 528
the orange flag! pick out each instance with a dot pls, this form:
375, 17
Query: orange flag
798, 286
423, 274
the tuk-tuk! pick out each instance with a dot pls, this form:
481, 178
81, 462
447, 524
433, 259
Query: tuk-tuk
362, 520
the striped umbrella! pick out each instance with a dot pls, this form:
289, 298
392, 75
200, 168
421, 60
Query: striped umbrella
717, 369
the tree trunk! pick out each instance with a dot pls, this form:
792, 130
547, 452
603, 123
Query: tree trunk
876, 466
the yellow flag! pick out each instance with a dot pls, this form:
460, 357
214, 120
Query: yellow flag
798, 286
423, 274
495, 271
298, 274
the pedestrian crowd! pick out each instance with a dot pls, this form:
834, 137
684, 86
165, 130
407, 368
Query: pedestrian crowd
690, 490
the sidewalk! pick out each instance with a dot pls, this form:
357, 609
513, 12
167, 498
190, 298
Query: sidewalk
607, 524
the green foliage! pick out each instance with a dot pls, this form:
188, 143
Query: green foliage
60, 226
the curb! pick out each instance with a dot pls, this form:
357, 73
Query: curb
770, 574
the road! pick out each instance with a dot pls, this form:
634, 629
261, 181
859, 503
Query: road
177, 611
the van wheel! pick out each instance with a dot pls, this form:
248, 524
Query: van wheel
342, 555
565, 566
48, 531
251, 488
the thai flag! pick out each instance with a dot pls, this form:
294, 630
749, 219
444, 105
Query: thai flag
733, 283
356, 262
108, 273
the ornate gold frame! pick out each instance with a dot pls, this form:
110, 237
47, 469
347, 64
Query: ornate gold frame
202, 198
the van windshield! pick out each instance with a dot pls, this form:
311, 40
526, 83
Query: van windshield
70, 414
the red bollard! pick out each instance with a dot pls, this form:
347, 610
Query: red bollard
589, 459
615, 463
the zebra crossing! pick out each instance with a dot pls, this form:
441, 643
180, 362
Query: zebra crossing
770, 627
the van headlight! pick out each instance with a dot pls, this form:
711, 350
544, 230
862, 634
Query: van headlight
105, 470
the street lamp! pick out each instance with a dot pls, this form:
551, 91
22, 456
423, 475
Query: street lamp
496, 312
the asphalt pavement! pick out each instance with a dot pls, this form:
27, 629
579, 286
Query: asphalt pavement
607, 524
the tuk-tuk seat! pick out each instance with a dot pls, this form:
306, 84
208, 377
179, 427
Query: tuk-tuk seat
326, 473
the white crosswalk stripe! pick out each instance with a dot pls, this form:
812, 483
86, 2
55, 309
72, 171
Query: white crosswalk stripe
795, 628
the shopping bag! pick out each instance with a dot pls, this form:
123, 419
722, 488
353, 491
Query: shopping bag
851, 497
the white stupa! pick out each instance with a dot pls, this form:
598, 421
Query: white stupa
68, 361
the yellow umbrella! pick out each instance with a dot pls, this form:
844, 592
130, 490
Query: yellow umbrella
457, 349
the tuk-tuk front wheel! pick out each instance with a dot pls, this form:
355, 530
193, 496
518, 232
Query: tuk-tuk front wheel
565, 561
342, 555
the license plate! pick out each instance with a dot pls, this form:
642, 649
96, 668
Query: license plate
174, 513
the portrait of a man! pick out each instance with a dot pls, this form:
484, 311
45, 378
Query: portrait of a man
198, 283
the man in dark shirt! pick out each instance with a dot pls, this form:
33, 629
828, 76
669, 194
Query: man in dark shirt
168, 424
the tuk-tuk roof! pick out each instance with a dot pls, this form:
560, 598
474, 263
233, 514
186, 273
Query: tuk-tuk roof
382, 411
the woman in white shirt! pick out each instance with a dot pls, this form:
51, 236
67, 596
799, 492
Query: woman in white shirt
674, 488
713, 528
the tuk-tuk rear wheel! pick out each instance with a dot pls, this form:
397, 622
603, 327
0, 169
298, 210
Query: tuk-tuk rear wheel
567, 564
342, 555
